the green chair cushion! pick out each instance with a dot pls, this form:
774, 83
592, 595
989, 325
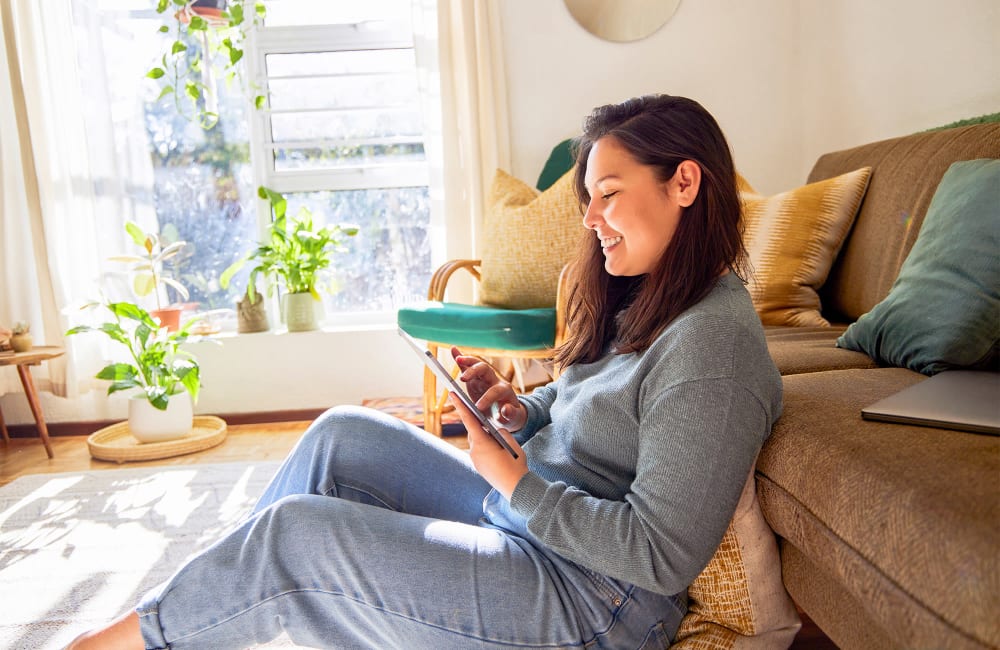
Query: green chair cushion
476, 326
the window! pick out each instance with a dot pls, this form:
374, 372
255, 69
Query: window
342, 134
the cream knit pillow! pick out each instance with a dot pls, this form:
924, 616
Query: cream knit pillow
739, 600
527, 239
792, 239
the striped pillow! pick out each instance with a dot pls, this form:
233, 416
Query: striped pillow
792, 239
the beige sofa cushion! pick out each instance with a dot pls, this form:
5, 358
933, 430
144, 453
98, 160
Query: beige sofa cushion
904, 517
811, 349
792, 239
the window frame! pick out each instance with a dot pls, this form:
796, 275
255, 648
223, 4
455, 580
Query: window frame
265, 40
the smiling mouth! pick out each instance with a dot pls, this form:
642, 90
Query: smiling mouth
608, 242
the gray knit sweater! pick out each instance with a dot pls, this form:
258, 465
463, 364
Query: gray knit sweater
637, 461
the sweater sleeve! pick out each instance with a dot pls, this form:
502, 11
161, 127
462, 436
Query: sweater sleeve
697, 443
538, 404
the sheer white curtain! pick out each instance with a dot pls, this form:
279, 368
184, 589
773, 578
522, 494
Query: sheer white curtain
473, 106
50, 238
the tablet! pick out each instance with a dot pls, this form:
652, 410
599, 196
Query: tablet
445, 376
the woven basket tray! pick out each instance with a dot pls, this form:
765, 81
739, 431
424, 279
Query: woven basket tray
117, 443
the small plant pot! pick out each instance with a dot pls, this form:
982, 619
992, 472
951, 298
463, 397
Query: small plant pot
301, 312
251, 317
21, 342
169, 317
149, 424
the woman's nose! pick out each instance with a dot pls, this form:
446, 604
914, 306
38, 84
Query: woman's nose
592, 217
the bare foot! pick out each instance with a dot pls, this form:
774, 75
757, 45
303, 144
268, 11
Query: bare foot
121, 634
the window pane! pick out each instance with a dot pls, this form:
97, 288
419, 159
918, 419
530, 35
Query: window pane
354, 124
388, 262
349, 155
164, 171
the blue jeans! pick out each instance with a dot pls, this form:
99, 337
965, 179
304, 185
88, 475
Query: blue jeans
374, 534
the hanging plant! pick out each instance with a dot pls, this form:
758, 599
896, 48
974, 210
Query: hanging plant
208, 41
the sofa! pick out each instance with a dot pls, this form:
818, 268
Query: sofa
889, 534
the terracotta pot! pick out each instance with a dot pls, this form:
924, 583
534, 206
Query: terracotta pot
149, 424
170, 317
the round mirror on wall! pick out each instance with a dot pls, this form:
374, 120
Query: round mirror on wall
622, 20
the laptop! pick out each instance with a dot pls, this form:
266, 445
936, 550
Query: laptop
966, 400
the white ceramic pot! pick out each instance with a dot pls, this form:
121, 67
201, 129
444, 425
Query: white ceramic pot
301, 312
149, 424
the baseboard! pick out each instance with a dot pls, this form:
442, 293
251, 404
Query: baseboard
87, 428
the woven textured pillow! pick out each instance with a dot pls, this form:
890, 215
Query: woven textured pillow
527, 239
792, 239
739, 600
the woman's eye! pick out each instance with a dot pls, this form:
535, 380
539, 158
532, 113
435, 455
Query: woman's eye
609, 195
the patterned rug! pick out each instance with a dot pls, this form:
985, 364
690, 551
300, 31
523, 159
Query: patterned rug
411, 410
77, 549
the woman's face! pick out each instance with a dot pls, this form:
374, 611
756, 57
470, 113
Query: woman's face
633, 213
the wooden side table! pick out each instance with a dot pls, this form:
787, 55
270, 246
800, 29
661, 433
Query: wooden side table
24, 361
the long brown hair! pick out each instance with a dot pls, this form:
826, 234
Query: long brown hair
660, 131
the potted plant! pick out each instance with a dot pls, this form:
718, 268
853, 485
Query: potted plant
295, 255
188, 74
168, 378
20, 339
251, 314
149, 274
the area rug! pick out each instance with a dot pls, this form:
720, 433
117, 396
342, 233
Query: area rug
77, 549
411, 410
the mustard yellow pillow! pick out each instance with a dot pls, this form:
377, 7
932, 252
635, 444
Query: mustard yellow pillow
739, 600
792, 239
527, 239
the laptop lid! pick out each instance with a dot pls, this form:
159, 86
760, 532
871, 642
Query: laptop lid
967, 400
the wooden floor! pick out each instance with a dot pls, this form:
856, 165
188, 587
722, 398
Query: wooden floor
245, 442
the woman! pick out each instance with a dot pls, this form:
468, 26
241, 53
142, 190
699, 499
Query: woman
375, 535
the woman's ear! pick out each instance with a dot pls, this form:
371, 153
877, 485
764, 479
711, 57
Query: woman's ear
687, 182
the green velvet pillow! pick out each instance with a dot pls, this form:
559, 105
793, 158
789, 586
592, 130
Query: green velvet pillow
943, 310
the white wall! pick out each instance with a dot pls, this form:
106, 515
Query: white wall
787, 80
874, 70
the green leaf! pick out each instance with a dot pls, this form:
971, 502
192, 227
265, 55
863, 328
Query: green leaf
178, 47
258, 102
123, 385
161, 6
235, 14
235, 54
118, 372
277, 201
143, 284
157, 396
163, 29
231, 270
155, 73
197, 24
190, 375
135, 232
167, 90
192, 90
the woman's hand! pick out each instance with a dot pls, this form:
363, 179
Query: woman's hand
493, 462
491, 394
